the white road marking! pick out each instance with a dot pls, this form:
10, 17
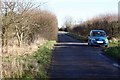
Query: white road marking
114, 64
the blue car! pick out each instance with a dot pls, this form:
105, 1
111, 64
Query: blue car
98, 37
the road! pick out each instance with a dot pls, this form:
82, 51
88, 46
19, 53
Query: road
73, 59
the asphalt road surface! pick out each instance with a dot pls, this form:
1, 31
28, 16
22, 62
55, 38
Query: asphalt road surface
73, 59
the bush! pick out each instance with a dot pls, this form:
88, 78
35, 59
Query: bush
44, 24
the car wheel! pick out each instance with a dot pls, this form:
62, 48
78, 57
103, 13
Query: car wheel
106, 45
89, 43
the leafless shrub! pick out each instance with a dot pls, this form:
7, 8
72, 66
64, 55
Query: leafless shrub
108, 22
26, 23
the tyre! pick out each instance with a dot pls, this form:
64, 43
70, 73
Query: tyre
106, 45
89, 43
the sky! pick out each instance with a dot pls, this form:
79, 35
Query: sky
79, 10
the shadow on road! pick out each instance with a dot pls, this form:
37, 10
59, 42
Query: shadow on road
70, 44
64, 38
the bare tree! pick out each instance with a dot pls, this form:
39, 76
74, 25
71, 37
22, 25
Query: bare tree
68, 22
15, 13
25, 21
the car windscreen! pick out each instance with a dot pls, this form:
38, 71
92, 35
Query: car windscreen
98, 33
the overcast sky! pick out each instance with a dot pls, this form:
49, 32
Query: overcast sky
80, 10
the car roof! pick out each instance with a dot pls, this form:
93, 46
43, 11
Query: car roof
98, 30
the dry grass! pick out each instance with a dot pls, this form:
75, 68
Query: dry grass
15, 50
31, 65
15, 60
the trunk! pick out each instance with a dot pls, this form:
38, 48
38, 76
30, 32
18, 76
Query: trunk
19, 36
4, 40
20, 43
20, 39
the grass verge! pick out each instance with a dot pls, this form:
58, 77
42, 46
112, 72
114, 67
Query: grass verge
113, 50
29, 67
78, 37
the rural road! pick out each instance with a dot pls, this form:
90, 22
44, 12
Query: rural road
72, 59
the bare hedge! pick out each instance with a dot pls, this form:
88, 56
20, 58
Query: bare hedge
43, 24
26, 23
108, 22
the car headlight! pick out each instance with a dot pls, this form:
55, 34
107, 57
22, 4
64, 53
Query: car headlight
92, 39
106, 40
